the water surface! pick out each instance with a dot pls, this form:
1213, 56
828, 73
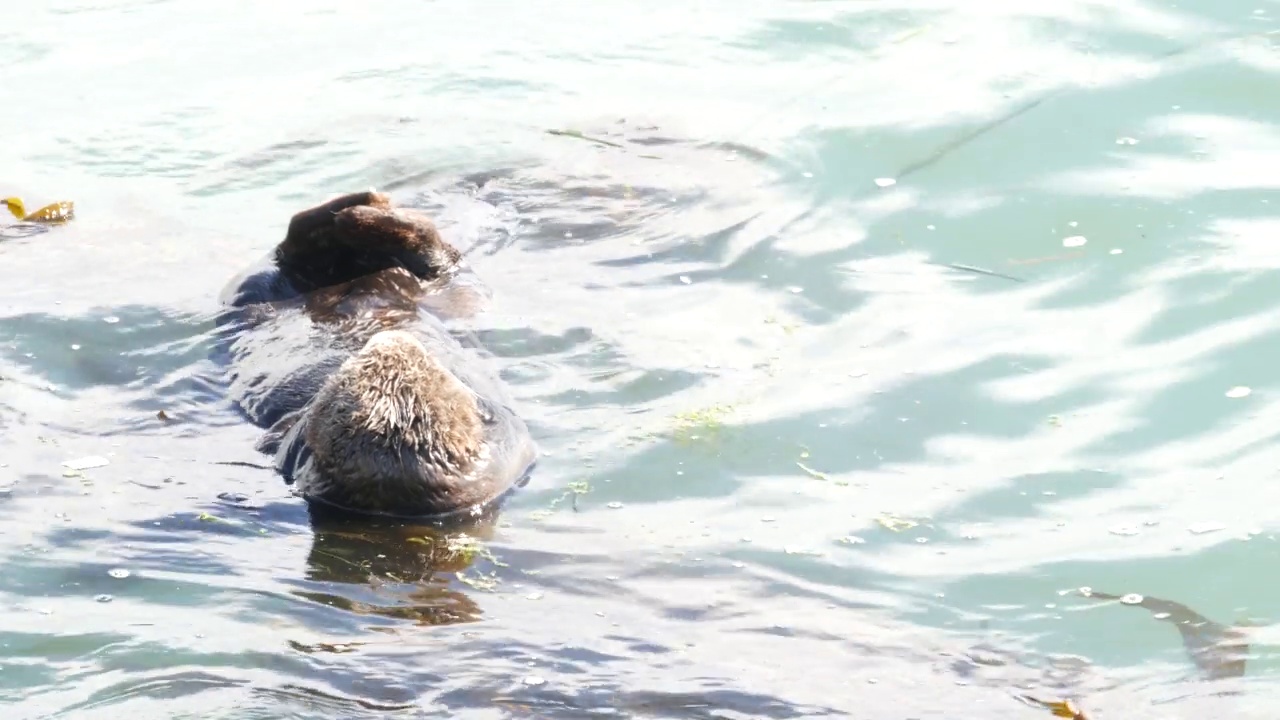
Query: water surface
801, 454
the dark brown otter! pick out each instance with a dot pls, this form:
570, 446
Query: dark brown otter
353, 236
369, 402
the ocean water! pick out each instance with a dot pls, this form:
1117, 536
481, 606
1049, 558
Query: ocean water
857, 337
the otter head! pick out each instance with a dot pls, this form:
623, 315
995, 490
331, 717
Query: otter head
358, 234
404, 238
394, 432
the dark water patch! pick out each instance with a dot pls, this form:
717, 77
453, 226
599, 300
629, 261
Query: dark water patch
544, 211
711, 248
277, 163
19, 230
532, 343
316, 700
118, 346
608, 700
818, 297
650, 385
127, 578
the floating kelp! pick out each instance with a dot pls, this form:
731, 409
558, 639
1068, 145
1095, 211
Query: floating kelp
579, 135
58, 212
1218, 651
36, 222
1059, 708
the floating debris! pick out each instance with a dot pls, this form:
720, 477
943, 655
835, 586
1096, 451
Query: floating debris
1074, 241
885, 182
796, 550
1125, 530
533, 681
614, 505
1218, 651
118, 573
1239, 391
103, 598
818, 474
1059, 708
86, 463
578, 134
692, 425
1126, 141
57, 212
896, 524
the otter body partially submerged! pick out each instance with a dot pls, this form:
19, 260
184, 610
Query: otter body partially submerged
368, 401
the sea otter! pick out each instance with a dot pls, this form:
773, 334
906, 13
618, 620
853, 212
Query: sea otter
369, 403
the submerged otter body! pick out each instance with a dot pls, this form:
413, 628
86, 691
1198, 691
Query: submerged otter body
368, 401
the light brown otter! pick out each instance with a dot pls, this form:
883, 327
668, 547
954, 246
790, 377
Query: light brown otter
409, 425
393, 410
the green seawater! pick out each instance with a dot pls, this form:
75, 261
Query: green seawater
872, 332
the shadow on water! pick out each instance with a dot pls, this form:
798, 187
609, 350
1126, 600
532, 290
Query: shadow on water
155, 357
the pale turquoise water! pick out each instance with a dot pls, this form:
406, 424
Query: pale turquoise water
1071, 429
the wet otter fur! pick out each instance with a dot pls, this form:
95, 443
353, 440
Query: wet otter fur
353, 236
369, 403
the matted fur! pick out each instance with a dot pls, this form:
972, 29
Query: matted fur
312, 230
396, 230
393, 428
